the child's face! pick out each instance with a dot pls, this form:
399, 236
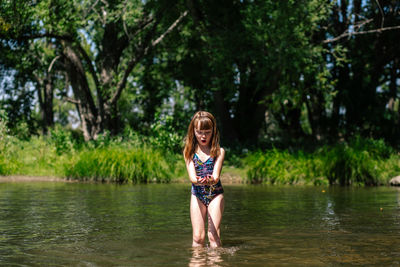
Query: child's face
203, 137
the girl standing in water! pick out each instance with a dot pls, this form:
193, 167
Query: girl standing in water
204, 158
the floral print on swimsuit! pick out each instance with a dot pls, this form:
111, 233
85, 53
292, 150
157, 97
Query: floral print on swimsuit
205, 193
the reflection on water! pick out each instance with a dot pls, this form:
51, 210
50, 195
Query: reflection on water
210, 256
144, 225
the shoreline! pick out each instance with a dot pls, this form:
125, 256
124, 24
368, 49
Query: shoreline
226, 178
31, 178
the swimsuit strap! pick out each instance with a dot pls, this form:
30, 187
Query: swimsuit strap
197, 156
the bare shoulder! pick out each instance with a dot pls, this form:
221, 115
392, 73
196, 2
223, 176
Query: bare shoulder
222, 152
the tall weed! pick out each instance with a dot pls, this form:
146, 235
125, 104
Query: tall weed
8, 163
359, 162
139, 165
281, 167
347, 165
39, 156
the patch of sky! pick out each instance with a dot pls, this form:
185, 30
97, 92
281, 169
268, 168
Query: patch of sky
342, 110
7, 78
351, 29
156, 60
73, 118
86, 37
40, 25
132, 81
10, 44
236, 78
179, 95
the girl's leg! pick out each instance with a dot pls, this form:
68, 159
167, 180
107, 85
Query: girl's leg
198, 213
215, 211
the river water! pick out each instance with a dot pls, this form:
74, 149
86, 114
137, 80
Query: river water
64, 224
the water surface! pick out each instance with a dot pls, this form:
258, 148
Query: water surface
63, 224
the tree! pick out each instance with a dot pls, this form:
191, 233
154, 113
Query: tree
243, 58
367, 81
99, 44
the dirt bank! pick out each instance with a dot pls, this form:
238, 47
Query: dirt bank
226, 178
26, 178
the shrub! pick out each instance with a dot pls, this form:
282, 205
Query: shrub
139, 165
165, 136
347, 165
359, 162
7, 164
279, 166
61, 139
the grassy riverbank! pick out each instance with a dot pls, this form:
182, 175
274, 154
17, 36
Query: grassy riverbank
136, 159
358, 162
124, 159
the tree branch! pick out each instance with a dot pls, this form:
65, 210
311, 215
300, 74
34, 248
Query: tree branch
52, 63
381, 10
140, 54
143, 24
89, 63
349, 34
173, 25
43, 35
71, 100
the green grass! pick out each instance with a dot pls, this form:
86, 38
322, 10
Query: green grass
138, 165
117, 161
131, 159
38, 157
281, 167
358, 162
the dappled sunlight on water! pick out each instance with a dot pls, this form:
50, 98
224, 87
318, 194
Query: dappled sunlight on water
61, 224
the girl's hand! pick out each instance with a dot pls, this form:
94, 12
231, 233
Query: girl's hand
210, 180
201, 180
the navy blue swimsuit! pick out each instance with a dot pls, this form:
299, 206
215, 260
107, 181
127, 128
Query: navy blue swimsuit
205, 193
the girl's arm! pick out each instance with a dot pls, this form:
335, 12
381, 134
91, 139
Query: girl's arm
218, 166
192, 173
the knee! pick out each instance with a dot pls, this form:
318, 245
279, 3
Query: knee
198, 239
213, 237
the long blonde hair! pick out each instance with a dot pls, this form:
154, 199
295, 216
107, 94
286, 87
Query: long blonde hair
205, 121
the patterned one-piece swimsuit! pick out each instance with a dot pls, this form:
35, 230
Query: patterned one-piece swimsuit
205, 193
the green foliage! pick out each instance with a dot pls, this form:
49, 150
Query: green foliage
38, 157
113, 159
21, 131
7, 164
61, 139
238, 59
359, 162
3, 131
347, 165
165, 136
263, 68
281, 167
120, 165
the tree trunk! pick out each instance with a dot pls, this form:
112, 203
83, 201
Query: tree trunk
251, 107
89, 115
315, 104
46, 101
228, 132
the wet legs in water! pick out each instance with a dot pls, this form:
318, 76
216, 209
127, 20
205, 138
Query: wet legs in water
198, 213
